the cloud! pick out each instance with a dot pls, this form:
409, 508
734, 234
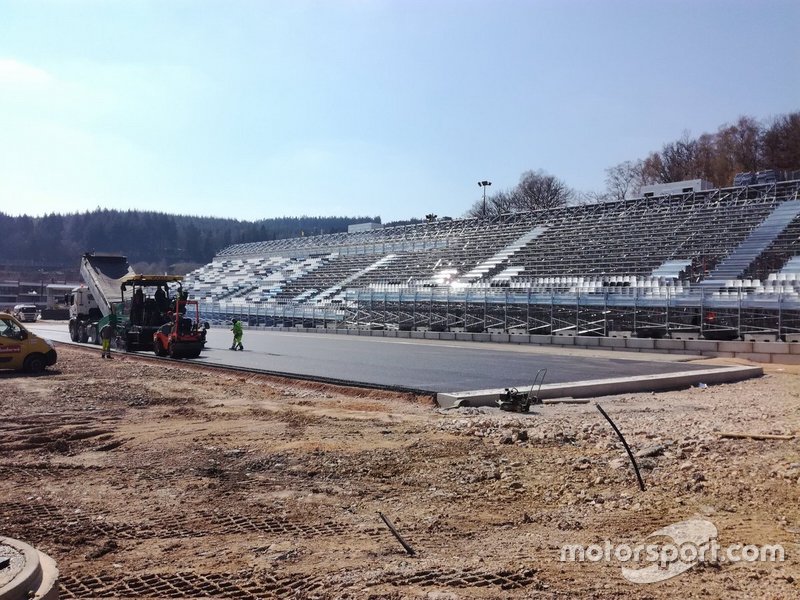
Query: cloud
18, 74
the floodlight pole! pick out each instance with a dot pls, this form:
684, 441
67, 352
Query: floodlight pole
484, 184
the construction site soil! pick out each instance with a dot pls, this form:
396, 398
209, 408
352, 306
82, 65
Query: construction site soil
161, 480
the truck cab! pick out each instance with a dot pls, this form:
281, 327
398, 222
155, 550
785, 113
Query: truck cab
26, 312
83, 312
22, 350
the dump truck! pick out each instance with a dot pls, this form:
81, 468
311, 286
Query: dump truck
91, 304
142, 305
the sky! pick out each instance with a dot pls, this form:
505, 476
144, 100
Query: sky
253, 109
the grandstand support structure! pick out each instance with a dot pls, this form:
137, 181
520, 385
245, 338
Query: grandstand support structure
699, 315
718, 264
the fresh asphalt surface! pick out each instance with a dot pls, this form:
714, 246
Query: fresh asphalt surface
434, 366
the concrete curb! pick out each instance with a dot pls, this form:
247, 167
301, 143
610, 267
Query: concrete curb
34, 575
606, 387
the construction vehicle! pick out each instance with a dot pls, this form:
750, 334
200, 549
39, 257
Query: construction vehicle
157, 301
145, 309
513, 400
21, 349
91, 305
182, 337
26, 312
141, 304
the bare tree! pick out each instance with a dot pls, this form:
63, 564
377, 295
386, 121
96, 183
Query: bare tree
535, 191
680, 159
745, 136
623, 180
653, 169
676, 161
480, 210
733, 149
745, 145
538, 190
711, 164
781, 143
502, 202
496, 204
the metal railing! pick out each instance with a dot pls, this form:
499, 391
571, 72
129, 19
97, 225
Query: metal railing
608, 312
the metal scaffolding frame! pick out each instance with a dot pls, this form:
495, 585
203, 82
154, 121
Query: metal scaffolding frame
572, 280
698, 313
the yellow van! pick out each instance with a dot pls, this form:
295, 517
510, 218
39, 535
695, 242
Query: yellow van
21, 349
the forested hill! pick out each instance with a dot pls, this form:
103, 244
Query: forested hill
159, 239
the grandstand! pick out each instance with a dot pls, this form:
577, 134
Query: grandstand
717, 264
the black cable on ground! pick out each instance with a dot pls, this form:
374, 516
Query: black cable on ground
396, 534
624, 443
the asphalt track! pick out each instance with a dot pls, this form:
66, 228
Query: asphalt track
433, 366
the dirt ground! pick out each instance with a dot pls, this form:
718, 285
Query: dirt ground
147, 480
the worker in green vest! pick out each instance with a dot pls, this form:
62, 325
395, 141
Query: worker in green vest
107, 333
237, 335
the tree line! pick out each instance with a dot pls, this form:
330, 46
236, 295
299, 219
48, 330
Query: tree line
748, 145
156, 241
